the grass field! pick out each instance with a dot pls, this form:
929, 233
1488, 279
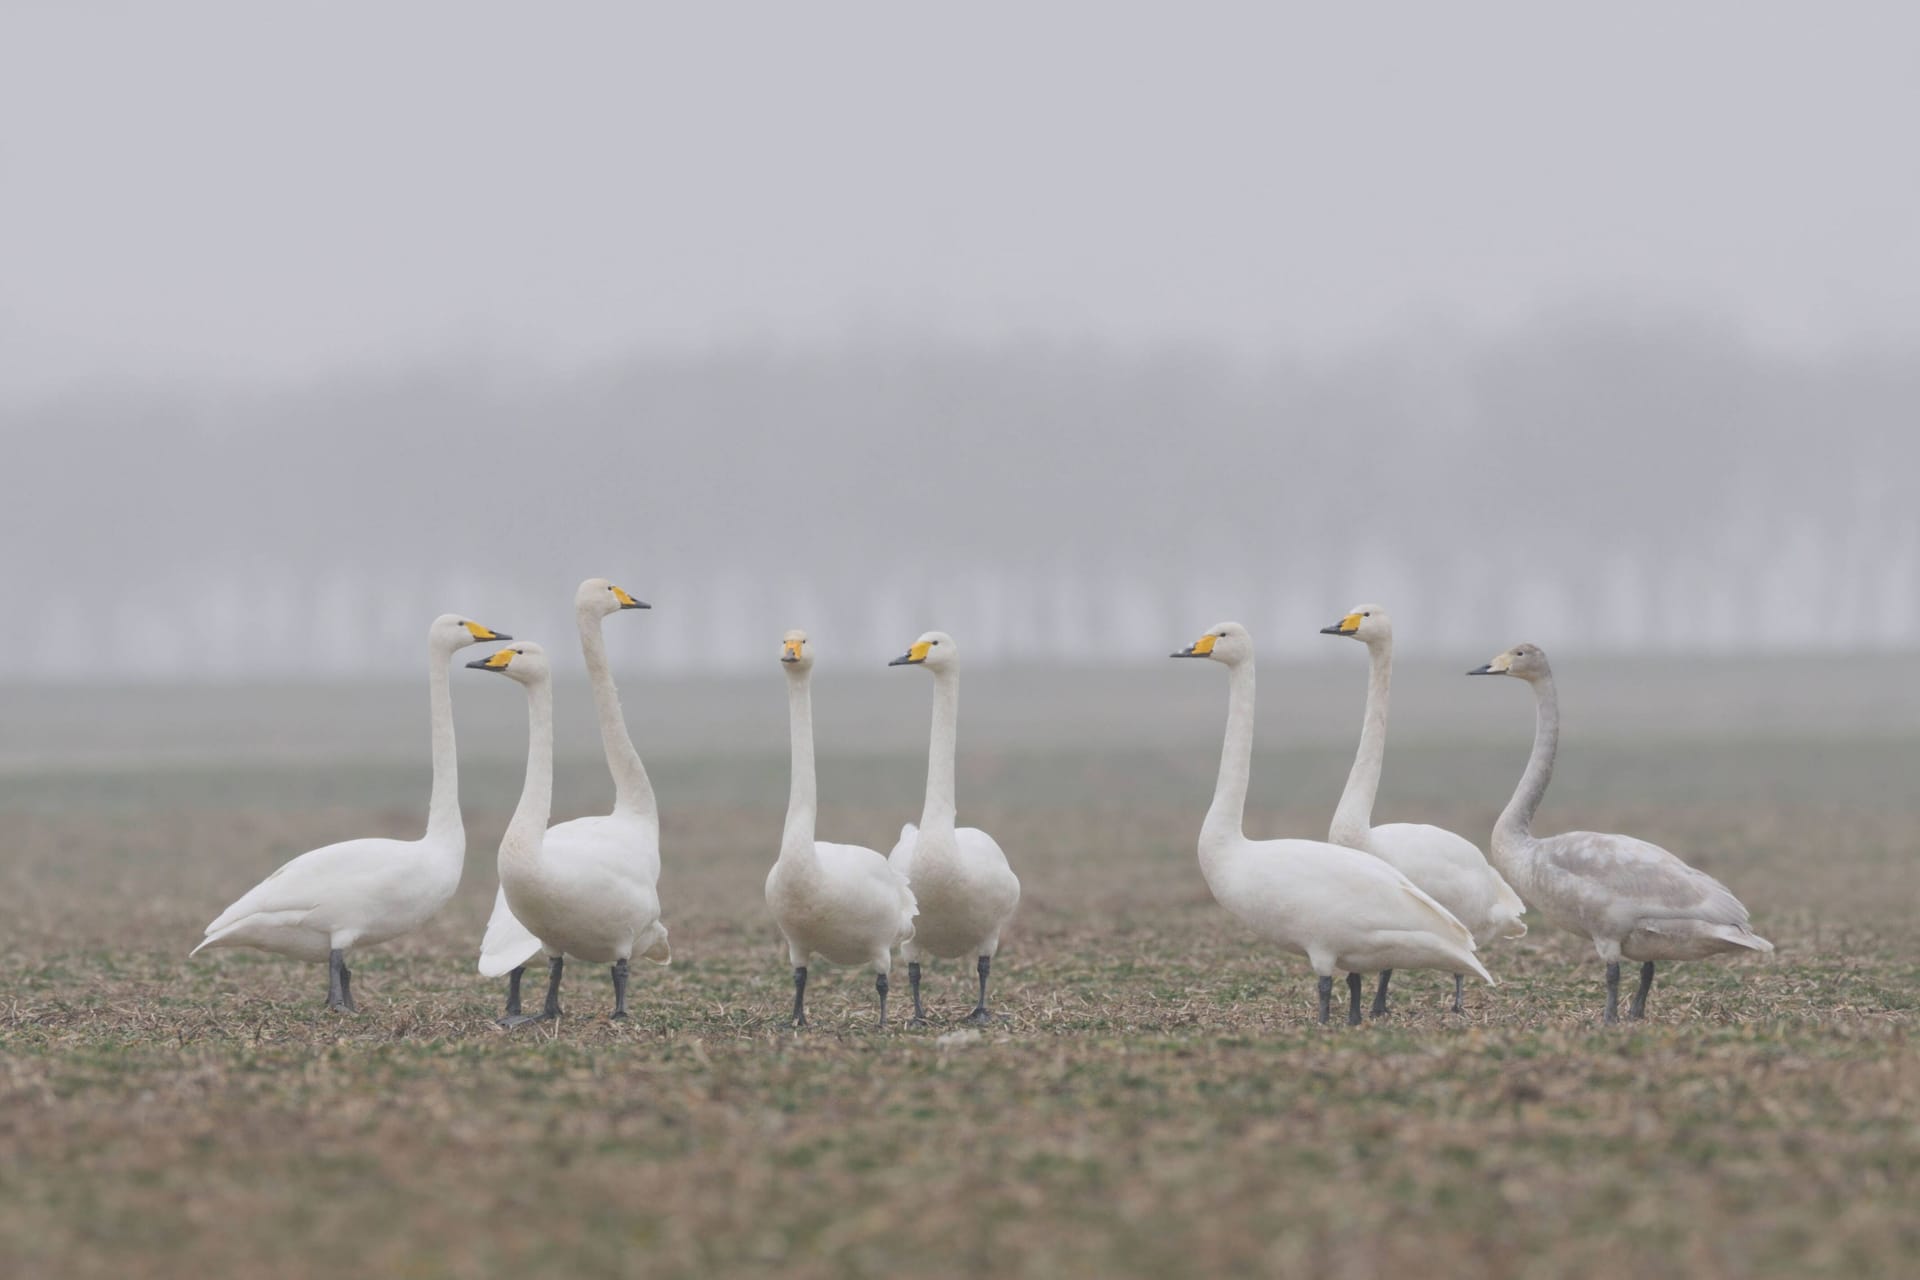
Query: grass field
1157, 1101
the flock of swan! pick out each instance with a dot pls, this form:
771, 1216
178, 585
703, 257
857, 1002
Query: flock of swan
1367, 899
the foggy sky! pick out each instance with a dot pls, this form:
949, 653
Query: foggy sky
1070, 329
210, 191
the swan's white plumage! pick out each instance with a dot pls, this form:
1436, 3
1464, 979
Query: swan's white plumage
620, 850
1340, 908
354, 893
1452, 870
367, 891
1449, 867
841, 901
972, 906
960, 876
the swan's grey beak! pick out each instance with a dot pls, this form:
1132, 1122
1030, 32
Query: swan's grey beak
1335, 630
635, 604
1485, 669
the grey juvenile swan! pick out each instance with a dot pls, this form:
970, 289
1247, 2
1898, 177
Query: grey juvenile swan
1631, 898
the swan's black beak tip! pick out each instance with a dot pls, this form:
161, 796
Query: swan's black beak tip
479, 664
1484, 669
904, 660
636, 604
1335, 630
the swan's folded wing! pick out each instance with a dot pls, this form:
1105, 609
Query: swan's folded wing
1620, 873
317, 877
901, 859
507, 944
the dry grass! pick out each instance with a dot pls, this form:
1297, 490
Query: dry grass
1156, 1103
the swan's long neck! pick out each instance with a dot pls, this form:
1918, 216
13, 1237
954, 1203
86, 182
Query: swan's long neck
528, 828
443, 809
939, 809
802, 794
632, 792
1516, 821
1353, 820
1226, 817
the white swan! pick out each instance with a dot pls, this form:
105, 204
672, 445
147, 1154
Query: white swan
1449, 867
580, 895
966, 891
1339, 909
1630, 898
841, 901
360, 892
633, 828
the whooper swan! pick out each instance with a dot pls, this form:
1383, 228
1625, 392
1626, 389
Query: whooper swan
966, 891
1338, 908
634, 824
840, 901
581, 897
1449, 867
360, 892
1630, 898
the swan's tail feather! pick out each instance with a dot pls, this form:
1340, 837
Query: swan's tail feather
657, 950
1743, 937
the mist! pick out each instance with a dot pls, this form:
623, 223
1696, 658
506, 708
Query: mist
1068, 330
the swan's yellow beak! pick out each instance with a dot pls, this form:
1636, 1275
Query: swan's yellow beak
1198, 649
792, 653
1345, 627
916, 652
498, 662
628, 602
479, 632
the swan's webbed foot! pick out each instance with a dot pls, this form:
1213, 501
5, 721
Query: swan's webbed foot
1638, 1008
1612, 1014
513, 991
1459, 987
1354, 983
1326, 998
1379, 1009
799, 996
619, 989
980, 1017
339, 983
522, 1019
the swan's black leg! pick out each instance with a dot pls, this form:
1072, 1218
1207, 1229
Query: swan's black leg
913, 980
620, 988
1326, 998
799, 995
513, 991
555, 967
346, 985
339, 994
880, 985
1459, 986
1638, 1009
980, 1014
1354, 983
1380, 995
1613, 993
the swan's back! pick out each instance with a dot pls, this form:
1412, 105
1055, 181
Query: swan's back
857, 868
372, 887
1614, 884
1327, 901
1451, 869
